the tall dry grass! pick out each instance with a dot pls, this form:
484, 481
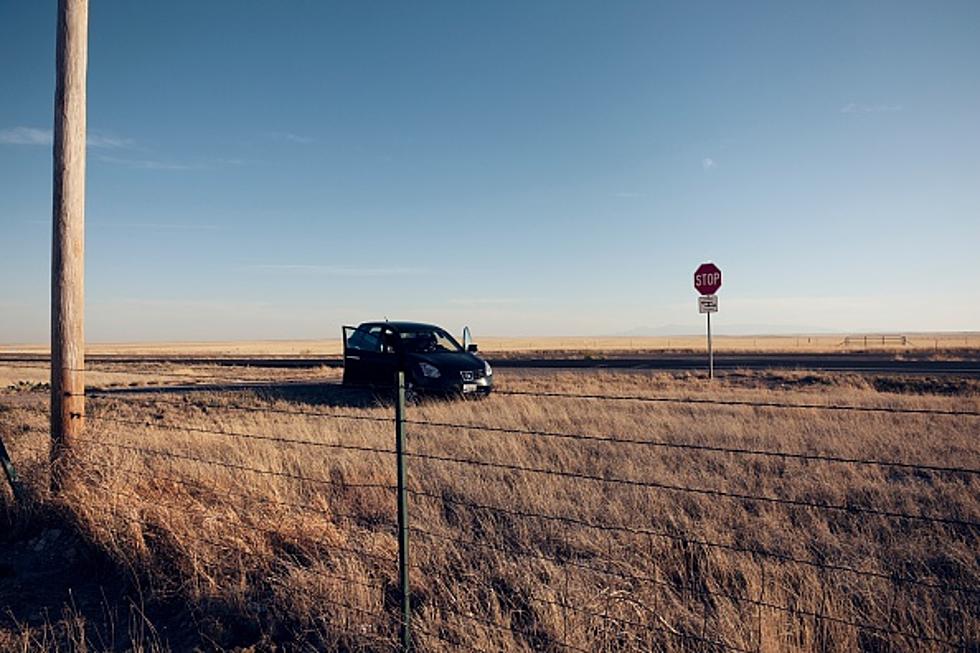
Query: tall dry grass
312, 562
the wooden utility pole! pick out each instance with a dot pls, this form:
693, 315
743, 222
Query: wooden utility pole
68, 245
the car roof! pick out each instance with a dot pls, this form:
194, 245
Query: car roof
402, 326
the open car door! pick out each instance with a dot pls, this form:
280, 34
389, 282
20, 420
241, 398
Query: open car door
367, 360
354, 341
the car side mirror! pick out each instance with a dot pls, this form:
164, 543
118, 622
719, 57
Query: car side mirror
472, 348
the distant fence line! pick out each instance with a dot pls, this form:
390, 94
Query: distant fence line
882, 340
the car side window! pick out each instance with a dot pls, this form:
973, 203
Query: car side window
365, 339
389, 342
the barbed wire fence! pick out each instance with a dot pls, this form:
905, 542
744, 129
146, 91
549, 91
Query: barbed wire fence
627, 615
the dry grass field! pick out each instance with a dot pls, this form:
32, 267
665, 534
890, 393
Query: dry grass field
942, 343
197, 497
113, 376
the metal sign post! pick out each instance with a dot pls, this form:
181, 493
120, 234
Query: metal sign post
711, 353
708, 304
707, 281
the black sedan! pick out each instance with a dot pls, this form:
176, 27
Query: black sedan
433, 361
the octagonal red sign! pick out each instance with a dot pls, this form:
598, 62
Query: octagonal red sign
707, 279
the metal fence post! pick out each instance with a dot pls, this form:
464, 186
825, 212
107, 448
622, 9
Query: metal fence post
406, 605
8, 468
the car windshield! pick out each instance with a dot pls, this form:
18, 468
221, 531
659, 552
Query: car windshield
424, 341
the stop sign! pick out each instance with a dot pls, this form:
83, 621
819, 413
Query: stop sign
707, 279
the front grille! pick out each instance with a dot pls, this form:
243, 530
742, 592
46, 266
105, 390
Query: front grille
471, 375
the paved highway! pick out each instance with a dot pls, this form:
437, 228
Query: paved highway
759, 362
854, 363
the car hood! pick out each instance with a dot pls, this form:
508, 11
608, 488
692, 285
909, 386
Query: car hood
448, 361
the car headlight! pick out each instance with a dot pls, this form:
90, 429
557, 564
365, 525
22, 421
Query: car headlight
429, 371
487, 370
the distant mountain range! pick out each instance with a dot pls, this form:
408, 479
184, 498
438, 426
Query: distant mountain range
724, 330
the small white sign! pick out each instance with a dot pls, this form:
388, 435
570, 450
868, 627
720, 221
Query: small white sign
708, 304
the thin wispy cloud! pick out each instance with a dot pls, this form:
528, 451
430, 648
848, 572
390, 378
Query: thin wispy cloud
486, 301
192, 305
708, 163
162, 226
226, 162
149, 164
162, 164
107, 141
854, 107
45, 137
25, 136
149, 226
338, 270
290, 137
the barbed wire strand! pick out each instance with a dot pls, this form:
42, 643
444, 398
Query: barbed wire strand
605, 439
352, 580
315, 571
271, 532
613, 480
688, 539
191, 483
629, 622
632, 577
166, 374
605, 618
349, 385
665, 628
741, 403
575, 475
447, 609
681, 589
421, 627
442, 536
193, 403
568, 474
696, 401
657, 485
237, 467
223, 545
245, 436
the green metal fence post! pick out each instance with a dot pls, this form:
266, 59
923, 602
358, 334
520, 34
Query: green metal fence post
8, 468
406, 605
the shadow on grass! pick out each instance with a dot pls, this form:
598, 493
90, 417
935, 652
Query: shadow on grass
320, 394
330, 394
58, 591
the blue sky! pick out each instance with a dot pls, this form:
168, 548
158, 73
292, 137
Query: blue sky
272, 170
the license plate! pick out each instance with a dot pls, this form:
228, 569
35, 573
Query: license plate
469, 387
